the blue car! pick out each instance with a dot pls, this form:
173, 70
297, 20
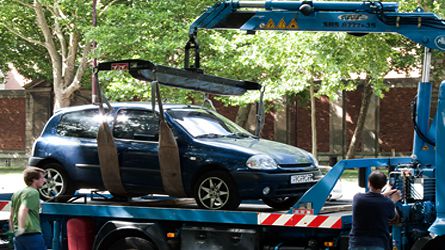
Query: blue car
221, 163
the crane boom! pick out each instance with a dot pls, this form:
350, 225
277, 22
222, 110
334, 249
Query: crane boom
424, 28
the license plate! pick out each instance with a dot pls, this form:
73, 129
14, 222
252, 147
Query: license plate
302, 178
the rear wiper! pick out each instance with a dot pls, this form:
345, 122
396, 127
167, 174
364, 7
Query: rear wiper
209, 135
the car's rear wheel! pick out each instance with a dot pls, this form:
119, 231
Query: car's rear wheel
281, 203
58, 184
216, 190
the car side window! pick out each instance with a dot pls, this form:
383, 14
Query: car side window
133, 124
84, 124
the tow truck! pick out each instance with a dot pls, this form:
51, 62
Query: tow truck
312, 223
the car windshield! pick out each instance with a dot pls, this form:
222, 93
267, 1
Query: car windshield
201, 123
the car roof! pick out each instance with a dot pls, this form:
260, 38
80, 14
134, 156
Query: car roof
145, 105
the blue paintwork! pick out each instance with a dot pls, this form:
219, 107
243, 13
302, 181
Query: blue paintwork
333, 17
150, 213
438, 227
56, 242
423, 152
140, 166
5, 196
317, 195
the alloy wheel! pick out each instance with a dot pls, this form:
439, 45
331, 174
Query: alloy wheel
54, 184
213, 193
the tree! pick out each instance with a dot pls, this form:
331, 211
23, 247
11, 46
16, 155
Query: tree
51, 39
57, 27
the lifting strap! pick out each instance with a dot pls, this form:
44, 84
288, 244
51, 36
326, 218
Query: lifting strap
107, 152
169, 161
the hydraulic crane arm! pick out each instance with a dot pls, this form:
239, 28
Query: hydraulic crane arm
421, 27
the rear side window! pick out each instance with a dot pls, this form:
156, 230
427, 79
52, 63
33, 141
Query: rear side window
84, 124
140, 125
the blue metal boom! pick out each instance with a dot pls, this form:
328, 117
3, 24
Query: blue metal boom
421, 27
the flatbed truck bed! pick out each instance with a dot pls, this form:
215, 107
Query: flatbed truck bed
260, 226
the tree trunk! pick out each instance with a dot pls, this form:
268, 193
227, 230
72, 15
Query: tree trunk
242, 117
313, 121
358, 131
61, 100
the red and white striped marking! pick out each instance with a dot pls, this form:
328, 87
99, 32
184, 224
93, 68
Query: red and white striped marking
299, 220
4, 206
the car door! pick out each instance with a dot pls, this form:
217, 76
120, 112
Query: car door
136, 133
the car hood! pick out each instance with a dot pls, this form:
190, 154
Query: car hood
280, 152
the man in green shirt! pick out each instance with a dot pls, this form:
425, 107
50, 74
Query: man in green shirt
25, 205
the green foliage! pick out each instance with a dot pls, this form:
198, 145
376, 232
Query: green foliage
29, 58
150, 30
284, 62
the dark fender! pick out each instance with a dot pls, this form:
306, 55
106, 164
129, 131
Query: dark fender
114, 230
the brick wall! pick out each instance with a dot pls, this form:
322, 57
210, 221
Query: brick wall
393, 125
303, 124
396, 127
352, 105
12, 121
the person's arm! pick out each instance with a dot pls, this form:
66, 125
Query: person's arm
395, 195
22, 215
11, 219
396, 218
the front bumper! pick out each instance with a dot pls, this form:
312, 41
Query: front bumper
251, 184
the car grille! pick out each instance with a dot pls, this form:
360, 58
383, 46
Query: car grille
299, 165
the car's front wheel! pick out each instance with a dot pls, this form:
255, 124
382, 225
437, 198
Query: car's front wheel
216, 190
58, 184
281, 203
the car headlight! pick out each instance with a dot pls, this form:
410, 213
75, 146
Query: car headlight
261, 162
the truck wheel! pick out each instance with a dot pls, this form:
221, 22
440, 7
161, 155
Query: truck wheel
132, 243
57, 185
281, 203
216, 190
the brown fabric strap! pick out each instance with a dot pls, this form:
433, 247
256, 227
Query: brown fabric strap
169, 160
109, 162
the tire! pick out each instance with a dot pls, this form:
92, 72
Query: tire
132, 243
216, 190
58, 184
281, 203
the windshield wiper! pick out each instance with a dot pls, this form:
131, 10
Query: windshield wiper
209, 135
239, 135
